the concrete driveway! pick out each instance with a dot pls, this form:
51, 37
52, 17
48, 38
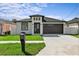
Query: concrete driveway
60, 45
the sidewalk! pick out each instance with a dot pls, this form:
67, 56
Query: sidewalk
4, 42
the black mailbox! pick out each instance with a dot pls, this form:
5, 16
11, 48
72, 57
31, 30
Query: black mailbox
22, 40
22, 36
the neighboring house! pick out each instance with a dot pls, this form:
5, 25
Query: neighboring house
5, 26
39, 24
73, 26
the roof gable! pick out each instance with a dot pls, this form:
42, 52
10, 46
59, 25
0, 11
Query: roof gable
74, 20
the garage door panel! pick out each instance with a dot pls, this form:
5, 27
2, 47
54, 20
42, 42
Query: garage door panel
53, 28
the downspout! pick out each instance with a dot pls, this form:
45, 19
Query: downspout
78, 27
2, 33
1, 29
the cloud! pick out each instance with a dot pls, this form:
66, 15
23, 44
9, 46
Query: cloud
20, 10
42, 4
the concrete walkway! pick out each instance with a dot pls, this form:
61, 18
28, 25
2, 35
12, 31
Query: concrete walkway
4, 42
60, 45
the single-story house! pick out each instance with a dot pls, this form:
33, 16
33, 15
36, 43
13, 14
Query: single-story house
39, 24
5, 26
73, 26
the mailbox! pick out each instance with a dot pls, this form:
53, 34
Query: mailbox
22, 40
22, 36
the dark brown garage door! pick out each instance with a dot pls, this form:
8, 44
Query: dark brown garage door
52, 28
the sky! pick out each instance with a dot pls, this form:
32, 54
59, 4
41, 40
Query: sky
62, 11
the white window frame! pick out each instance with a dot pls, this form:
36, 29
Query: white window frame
24, 26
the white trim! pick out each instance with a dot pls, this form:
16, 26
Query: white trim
41, 26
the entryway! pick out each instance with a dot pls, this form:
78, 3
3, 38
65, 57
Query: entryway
36, 28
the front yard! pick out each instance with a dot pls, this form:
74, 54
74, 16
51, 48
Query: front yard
76, 35
17, 38
15, 49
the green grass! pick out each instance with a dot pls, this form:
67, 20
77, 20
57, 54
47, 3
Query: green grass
76, 35
9, 37
17, 38
15, 49
34, 37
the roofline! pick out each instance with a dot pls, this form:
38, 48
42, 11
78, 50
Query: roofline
22, 21
45, 21
73, 22
36, 15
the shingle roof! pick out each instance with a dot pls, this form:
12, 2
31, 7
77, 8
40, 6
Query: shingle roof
74, 20
52, 19
27, 19
3, 20
47, 19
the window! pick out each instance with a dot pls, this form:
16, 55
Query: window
67, 25
24, 26
38, 18
34, 18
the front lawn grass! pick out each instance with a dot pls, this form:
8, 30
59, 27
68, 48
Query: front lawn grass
34, 37
15, 49
17, 38
76, 35
9, 38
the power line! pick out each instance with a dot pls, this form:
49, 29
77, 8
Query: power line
72, 12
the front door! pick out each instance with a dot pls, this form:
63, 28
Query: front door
36, 28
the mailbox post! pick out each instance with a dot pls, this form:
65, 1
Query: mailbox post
22, 40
